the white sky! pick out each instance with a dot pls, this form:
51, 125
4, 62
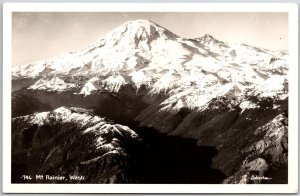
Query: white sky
38, 35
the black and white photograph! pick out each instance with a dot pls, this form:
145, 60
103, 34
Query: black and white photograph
150, 98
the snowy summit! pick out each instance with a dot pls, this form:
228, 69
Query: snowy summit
141, 53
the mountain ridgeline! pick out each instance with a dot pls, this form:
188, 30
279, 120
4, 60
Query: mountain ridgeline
143, 105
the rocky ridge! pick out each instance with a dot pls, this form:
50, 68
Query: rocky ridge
71, 142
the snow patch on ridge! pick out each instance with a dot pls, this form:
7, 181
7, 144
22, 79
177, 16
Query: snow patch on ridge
247, 105
90, 86
140, 78
64, 115
54, 84
114, 83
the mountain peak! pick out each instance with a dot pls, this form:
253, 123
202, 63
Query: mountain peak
140, 22
209, 39
141, 29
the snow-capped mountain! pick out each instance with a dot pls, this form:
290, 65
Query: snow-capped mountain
219, 94
143, 53
69, 142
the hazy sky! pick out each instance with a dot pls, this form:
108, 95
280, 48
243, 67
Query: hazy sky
38, 35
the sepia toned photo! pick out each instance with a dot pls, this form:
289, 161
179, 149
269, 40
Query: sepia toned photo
149, 98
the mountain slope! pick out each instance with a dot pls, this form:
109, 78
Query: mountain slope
143, 53
71, 141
